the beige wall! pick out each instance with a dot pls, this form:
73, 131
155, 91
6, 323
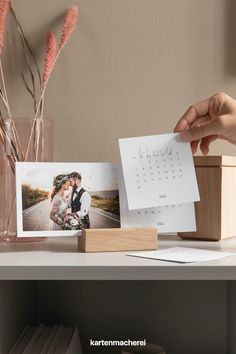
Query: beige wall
131, 68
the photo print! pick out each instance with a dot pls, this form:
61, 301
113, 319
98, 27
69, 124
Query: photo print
62, 199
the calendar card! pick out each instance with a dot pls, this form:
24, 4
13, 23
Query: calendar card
158, 171
182, 255
167, 219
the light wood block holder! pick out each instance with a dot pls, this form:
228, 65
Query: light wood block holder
216, 211
116, 240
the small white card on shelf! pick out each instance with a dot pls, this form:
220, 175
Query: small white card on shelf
182, 255
158, 170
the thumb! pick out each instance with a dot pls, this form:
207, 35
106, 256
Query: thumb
199, 131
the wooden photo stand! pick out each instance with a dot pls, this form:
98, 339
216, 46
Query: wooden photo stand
117, 240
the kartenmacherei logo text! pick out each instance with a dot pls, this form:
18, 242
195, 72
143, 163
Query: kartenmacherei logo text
117, 343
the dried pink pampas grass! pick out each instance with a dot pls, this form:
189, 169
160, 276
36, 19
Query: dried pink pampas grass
4, 8
50, 57
69, 25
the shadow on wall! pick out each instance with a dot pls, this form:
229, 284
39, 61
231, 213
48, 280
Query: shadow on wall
230, 37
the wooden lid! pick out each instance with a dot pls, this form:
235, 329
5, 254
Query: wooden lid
216, 161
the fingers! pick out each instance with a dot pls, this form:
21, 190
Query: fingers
194, 146
195, 143
193, 112
200, 131
205, 142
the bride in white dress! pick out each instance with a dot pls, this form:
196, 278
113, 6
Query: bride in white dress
60, 203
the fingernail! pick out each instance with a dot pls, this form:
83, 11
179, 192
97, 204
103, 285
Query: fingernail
185, 136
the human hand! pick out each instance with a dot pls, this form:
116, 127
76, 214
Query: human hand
208, 120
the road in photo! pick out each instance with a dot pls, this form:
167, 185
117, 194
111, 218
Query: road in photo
37, 218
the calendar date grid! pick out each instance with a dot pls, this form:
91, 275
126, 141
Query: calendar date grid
156, 165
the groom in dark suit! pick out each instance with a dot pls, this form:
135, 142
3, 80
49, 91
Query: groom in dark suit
80, 199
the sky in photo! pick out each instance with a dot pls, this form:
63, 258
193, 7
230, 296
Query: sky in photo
95, 176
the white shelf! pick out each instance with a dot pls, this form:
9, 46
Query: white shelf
130, 306
58, 259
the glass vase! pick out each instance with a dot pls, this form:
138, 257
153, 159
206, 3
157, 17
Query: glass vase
37, 148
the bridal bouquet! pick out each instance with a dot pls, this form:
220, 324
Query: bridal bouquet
73, 222
8, 131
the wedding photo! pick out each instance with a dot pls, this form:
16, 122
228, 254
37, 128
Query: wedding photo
61, 199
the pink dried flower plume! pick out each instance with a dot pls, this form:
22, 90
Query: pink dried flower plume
69, 25
4, 8
50, 57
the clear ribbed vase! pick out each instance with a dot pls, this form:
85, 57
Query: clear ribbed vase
40, 149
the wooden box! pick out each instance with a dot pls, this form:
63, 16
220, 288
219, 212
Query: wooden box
216, 211
113, 240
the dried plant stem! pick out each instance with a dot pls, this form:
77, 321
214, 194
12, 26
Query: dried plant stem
45, 86
3, 98
38, 130
69, 26
40, 103
17, 139
26, 42
11, 162
30, 59
34, 130
38, 133
8, 139
10, 215
4, 90
42, 108
14, 139
6, 103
